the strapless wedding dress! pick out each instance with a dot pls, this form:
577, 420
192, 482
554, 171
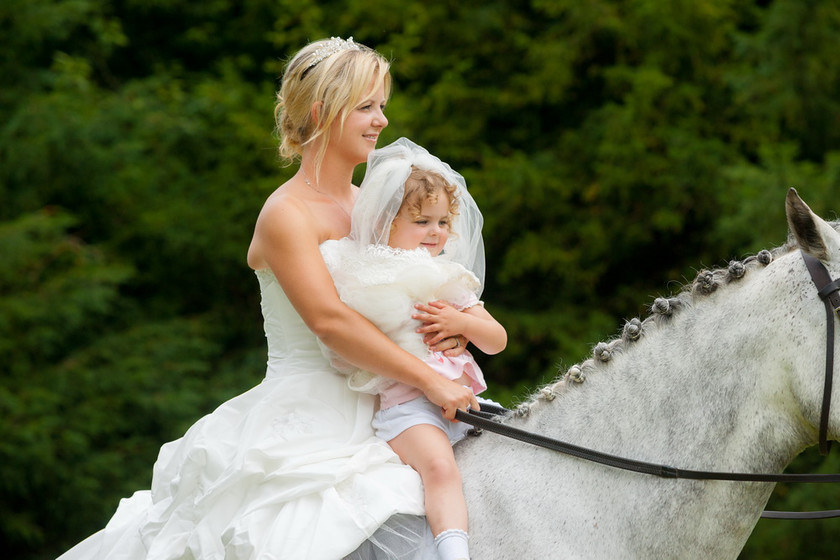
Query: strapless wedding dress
287, 470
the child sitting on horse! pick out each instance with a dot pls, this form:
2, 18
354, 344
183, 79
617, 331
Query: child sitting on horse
412, 265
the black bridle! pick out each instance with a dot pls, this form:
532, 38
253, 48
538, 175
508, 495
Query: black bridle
829, 292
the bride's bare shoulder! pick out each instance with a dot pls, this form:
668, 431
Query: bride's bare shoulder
284, 219
282, 206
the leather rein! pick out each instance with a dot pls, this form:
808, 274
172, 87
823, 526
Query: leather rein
829, 292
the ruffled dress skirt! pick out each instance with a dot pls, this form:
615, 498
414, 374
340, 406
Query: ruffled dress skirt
287, 470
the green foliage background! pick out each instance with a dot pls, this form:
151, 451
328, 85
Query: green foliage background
615, 147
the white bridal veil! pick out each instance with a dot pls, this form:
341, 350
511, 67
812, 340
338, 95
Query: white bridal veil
382, 193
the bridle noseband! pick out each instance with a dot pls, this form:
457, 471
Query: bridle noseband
829, 292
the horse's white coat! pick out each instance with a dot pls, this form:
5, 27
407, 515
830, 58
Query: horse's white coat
731, 382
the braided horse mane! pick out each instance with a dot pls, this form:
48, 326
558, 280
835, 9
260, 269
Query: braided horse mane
662, 312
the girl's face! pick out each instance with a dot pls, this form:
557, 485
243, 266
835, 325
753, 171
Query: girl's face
361, 128
429, 230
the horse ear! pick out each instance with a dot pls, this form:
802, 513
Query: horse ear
812, 233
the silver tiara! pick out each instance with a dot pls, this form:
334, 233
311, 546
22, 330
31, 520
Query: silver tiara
332, 46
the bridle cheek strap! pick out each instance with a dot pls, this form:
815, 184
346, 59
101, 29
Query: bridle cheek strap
829, 292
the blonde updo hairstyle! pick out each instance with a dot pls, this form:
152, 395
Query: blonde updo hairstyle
338, 83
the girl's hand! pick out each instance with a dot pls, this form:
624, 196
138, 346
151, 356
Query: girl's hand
442, 328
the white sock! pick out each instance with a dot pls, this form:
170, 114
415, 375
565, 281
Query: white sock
452, 545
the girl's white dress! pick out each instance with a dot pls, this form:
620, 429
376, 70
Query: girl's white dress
287, 470
384, 284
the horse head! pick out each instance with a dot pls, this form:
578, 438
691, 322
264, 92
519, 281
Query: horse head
820, 246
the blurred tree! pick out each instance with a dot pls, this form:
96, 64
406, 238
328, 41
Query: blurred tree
614, 146
775, 539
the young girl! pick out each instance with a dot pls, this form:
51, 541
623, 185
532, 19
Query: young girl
416, 238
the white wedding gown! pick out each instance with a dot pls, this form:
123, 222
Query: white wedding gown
287, 470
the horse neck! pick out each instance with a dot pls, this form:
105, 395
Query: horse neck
708, 388
727, 384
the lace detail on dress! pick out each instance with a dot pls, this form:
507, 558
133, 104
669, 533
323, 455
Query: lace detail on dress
344, 258
291, 425
417, 272
356, 500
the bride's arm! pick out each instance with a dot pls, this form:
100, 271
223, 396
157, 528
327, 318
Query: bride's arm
287, 240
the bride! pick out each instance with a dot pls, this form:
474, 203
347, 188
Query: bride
291, 469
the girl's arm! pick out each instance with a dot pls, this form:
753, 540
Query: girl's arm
475, 323
287, 240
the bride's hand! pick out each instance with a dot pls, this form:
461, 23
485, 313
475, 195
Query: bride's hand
451, 347
451, 397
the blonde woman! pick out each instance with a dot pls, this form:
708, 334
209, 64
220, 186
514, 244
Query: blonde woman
291, 469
